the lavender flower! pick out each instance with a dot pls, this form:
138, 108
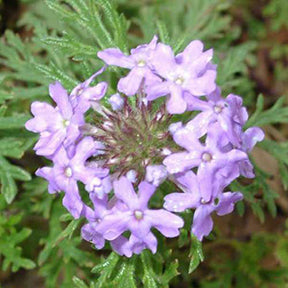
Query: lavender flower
222, 111
57, 126
221, 203
138, 62
67, 170
186, 75
209, 158
137, 217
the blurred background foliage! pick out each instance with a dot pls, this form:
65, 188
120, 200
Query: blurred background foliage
44, 41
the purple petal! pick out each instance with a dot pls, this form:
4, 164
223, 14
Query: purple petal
138, 245
227, 202
163, 60
226, 124
205, 180
124, 191
85, 149
201, 62
251, 136
89, 80
176, 103
188, 140
200, 123
188, 182
203, 85
145, 192
48, 144
181, 161
100, 205
47, 173
130, 84
195, 104
165, 222
121, 246
178, 202
140, 228
89, 233
202, 221
157, 90
60, 96
72, 134
46, 117
191, 52
114, 56
72, 201
239, 112
215, 96
246, 169
113, 225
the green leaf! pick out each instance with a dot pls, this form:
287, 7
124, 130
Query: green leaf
13, 122
125, 275
79, 283
105, 269
149, 276
163, 32
8, 186
15, 147
67, 232
196, 254
276, 114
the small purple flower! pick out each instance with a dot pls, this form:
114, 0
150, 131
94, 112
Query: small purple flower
221, 203
227, 112
209, 158
186, 75
67, 170
56, 126
138, 62
135, 216
95, 216
83, 95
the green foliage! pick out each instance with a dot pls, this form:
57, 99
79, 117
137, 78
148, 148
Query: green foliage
116, 271
10, 238
244, 266
196, 254
277, 10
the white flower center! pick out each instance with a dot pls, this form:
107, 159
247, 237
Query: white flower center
66, 123
68, 172
218, 109
206, 157
138, 214
202, 201
179, 80
141, 63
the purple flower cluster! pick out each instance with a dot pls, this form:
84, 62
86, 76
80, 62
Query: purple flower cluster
124, 152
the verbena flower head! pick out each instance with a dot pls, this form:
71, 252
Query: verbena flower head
122, 147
